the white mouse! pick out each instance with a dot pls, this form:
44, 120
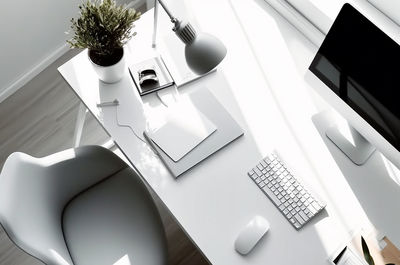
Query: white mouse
251, 234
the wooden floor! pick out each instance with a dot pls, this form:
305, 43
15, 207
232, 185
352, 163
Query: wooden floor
39, 119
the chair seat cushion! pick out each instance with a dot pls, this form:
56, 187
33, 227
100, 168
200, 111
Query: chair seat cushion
115, 223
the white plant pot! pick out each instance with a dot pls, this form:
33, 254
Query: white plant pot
110, 74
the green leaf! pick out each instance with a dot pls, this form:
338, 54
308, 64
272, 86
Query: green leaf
102, 26
367, 255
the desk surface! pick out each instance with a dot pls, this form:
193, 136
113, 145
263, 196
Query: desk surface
261, 83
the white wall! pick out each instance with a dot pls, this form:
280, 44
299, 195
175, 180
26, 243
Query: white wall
389, 7
31, 37
322, 13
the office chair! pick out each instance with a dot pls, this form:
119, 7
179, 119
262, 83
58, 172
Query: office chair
80, 206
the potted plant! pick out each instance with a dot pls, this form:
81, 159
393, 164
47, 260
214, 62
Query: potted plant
104, 28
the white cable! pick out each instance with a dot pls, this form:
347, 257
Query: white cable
127, 126
161, 100
115, 103
174, 94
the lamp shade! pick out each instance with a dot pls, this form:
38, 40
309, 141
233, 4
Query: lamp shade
203, 52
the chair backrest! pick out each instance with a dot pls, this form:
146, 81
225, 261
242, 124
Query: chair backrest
34, 192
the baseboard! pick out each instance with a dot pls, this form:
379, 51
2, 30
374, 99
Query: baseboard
29, 75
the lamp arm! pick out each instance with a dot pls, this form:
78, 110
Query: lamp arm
172, 17
155, 23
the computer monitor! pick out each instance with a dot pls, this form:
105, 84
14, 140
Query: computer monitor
361, 66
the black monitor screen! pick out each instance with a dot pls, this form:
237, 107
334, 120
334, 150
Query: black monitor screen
361, 64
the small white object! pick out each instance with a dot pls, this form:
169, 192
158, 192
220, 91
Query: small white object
382, 244
380, 236
251, 234
115, 102
186, 127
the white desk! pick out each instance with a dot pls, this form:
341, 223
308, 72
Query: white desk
214, 200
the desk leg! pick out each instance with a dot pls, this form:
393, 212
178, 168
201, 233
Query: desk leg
80, 122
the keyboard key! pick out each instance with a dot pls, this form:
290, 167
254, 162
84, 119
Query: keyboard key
299, 219
304, 216
316, 205
272, 196
312, 209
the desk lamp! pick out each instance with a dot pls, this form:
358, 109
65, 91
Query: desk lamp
203, 52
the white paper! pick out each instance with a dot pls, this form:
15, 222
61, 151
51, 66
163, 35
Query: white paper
350, 258
186, 127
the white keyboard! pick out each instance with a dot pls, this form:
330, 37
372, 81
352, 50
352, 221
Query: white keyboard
293, 200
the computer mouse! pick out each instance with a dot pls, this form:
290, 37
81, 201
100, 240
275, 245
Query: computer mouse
251, 234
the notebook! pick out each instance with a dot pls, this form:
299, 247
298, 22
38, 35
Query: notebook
185, 128
227, 130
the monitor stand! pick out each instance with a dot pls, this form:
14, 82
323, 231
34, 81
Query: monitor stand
353, 145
